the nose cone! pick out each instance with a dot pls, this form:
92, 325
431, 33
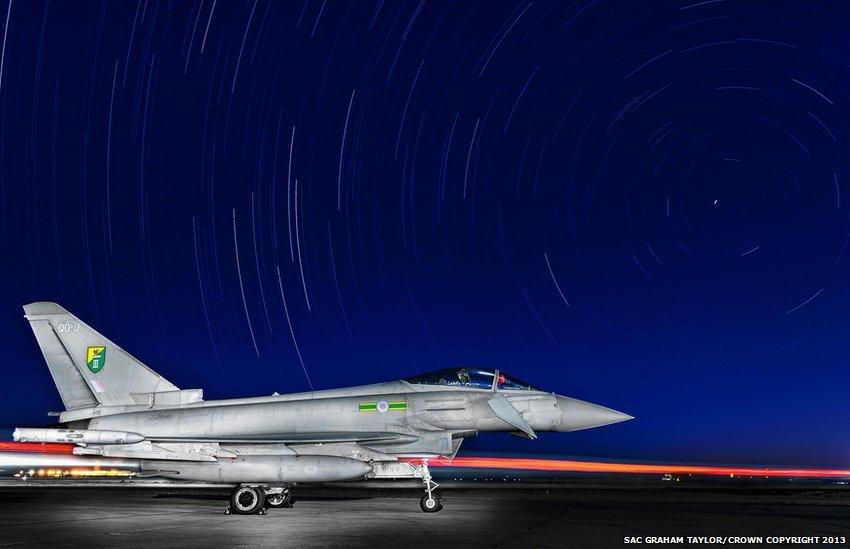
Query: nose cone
578, 414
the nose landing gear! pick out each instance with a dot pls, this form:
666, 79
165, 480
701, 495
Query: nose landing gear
429, 502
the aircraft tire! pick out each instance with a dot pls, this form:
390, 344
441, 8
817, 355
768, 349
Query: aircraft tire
430, 505
276, 501
247, 500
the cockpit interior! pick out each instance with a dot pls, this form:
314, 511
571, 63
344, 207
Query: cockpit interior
471, 377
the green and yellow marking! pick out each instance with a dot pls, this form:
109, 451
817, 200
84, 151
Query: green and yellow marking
96, 358
382, 406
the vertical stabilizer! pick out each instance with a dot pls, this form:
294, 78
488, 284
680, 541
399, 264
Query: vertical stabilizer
89, 369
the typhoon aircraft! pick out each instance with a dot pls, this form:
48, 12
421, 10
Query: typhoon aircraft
116, 407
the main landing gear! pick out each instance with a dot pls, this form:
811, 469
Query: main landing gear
247, 500
253, 500
429, 502
279, 500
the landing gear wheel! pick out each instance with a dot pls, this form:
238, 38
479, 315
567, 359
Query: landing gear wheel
247, 500
276, 501
430, 504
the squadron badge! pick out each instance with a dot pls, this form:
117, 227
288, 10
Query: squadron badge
96, 358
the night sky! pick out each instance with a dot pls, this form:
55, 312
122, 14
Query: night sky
640, 204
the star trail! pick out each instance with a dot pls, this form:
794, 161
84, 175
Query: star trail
635, 203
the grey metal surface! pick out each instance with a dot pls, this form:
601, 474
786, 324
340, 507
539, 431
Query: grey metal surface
577, 415
504, 410
69, 382
76, 436
115, 383
264, 469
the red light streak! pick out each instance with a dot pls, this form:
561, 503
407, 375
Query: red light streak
539, 464
573, 466
37, 447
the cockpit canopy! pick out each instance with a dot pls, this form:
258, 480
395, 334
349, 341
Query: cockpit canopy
474, 378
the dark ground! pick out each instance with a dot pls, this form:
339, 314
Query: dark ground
512, 515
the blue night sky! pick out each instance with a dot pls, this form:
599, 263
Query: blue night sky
641, 204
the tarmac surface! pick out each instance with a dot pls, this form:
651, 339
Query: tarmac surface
513, 515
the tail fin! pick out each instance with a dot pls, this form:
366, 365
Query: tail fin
87, 368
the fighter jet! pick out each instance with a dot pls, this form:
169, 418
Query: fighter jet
116, 407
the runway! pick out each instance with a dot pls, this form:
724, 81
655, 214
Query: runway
597, 514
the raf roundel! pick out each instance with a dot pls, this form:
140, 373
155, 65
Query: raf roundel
383, 406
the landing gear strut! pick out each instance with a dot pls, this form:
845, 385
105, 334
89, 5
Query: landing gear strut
429, 502
247, 500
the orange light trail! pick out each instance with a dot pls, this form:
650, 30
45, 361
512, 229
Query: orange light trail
574, 466
37, 447
546, 465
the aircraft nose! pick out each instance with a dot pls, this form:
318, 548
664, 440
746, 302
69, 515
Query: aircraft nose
578, 414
